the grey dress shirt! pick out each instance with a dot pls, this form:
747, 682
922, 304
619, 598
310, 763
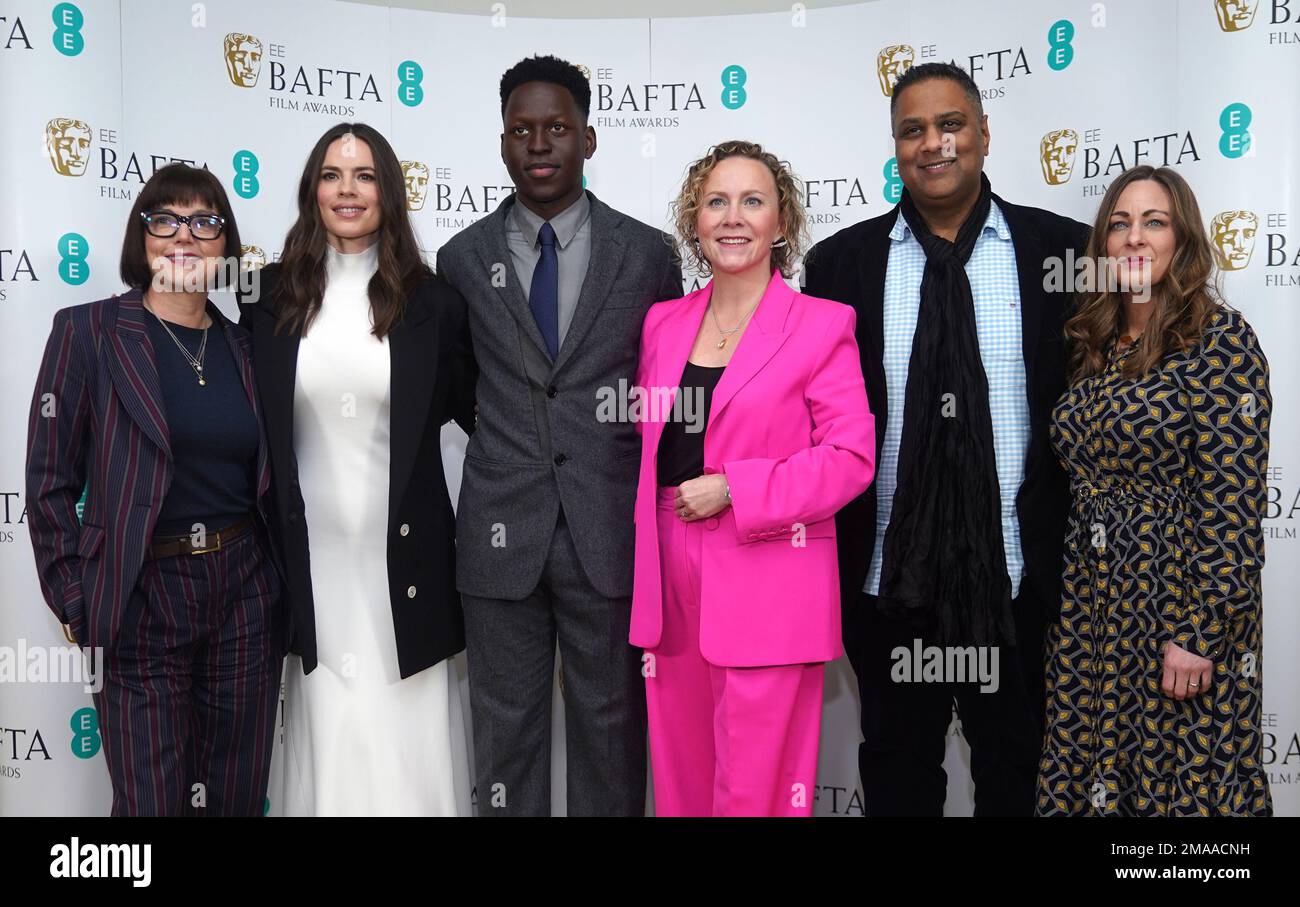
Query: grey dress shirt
572, 228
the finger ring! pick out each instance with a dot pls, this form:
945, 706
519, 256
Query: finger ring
1193, 683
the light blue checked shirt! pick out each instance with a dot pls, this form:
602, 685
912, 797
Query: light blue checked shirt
995, 288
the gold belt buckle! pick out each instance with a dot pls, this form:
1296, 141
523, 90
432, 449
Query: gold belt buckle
210, 548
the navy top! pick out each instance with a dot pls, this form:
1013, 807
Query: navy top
681, 446
212, 428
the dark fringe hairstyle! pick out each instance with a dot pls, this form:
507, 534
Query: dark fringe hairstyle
175, 184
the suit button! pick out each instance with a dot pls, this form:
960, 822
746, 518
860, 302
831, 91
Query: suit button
552, 391
410, 592
294, 516
560, 459
405, 529
711, 523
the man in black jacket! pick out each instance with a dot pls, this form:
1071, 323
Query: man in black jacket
958, 543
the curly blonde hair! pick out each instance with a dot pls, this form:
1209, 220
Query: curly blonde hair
791, 219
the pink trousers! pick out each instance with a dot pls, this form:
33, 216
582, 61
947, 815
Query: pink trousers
723, 741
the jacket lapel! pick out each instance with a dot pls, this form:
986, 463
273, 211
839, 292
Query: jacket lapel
872, 267
275, 367
494, 256
606, 258
677, 337
135, 372
413, 365
1029, 270
241, 346
761, 340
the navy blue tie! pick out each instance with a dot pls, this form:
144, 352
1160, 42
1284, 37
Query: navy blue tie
544, 296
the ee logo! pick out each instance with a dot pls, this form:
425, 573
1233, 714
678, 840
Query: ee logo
67, 29
85, 733
893, 182
733, 87
1059, 51
1235, 123
409, 77
73, 250
246, 165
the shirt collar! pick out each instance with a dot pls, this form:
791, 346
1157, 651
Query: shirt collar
565, 224
994, 223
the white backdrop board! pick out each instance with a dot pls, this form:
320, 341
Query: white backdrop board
96, 95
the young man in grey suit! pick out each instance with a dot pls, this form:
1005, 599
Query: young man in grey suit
558, 284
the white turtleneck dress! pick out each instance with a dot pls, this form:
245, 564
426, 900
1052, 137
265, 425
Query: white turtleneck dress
358, 740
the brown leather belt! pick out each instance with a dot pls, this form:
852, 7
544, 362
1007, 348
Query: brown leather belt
172, 545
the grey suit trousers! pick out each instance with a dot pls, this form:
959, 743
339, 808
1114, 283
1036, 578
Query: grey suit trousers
511, 649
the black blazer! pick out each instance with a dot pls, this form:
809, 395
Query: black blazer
849, 267
432, 382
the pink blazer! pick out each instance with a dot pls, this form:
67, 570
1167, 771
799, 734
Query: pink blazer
790, 427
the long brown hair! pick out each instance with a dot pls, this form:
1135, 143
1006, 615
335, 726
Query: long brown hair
1182, 303
302, 266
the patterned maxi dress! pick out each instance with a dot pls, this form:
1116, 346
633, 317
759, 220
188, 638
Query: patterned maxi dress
1164, 543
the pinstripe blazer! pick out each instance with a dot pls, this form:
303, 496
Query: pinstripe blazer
97, 422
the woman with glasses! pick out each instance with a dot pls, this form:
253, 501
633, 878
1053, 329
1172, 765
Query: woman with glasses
146, 402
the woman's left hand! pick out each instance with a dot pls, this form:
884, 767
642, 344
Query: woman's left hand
701, 498
1185, 674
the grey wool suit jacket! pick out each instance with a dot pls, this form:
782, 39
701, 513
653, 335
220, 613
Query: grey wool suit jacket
539, 444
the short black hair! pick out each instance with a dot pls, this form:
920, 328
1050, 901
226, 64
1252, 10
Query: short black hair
175, 184
548, 69
925, 71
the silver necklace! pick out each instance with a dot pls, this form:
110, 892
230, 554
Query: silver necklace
196, 362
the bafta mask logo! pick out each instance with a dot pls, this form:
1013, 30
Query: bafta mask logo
891, 63
67, 145
416, 175
251, 258
1235, 15
243, 59
1056, 154
1233, 233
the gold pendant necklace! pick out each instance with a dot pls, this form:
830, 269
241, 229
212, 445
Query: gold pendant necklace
722, 341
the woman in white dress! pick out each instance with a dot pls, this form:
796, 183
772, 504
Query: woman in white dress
361, 356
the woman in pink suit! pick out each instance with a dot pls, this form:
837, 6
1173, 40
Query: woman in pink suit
736, 596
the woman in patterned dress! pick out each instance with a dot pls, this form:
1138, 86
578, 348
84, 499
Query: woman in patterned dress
1155, 666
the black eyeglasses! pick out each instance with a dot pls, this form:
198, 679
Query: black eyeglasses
164, 224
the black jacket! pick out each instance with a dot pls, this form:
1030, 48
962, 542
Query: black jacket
432, 382
849, 267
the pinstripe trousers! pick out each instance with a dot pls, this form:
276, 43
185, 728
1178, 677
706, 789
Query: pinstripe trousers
187, 709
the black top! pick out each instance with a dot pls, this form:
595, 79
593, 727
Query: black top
681, 446
212, 430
